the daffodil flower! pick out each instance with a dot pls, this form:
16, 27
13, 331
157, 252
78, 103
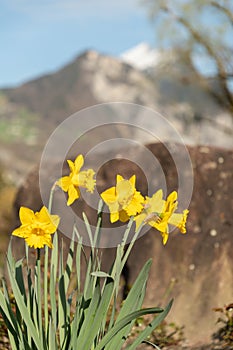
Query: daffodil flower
36, 228
158, 213
123, 199
77, 179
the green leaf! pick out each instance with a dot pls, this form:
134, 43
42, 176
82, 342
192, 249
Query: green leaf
39, 297
62, 310
113, 332
133, 302
149, 329
52, 289
75, 325
136, 291
46, 313
8, 316
101, 274
69, 264
19, 277
52, 337
88, 227
100, 314
89, 315
54, 257
98, 225
31, 329
78, 265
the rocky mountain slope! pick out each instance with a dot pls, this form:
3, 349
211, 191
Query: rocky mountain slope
93, 78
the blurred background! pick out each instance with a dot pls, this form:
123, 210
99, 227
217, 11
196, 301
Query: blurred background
59, 56
62, 55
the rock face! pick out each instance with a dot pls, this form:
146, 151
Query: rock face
197, 268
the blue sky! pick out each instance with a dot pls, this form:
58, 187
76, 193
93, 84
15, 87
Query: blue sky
40, 36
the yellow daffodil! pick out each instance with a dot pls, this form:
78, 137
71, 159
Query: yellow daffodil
158, 213
123, 200
36, 228
77, 179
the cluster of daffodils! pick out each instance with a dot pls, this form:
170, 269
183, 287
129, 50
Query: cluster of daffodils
123, 201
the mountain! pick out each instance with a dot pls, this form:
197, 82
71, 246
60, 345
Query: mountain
90, 79
30, 112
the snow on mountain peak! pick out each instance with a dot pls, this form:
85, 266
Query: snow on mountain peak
141, 56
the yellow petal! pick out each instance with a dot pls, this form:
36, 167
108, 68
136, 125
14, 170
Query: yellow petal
55, 220
135, 206
125, 193
165, 237
46, 222
119, 178
78, 163
114, 216
172, 196
71, 165
179, 220
109, 195
74, 179
156, 203
139, 219
160, 226
132, 180
22, 231
64, 183
26, 216
73, 194
171, 202
113, 207
43, 216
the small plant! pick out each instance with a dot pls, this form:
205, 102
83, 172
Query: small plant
48, 312
225, 333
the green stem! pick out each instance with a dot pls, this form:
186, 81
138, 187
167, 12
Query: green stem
38, 254
38, 293
135, 237
51, 197
46, 290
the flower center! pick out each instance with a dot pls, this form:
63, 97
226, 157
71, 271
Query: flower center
37, 231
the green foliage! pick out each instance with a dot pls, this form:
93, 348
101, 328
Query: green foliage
18, 126
52, 315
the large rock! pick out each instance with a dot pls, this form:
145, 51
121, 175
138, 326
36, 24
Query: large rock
196, 268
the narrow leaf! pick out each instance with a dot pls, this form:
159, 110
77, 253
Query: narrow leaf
149, 329
124, 321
